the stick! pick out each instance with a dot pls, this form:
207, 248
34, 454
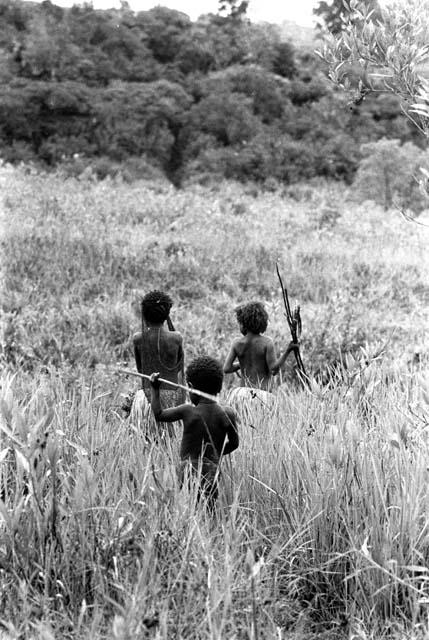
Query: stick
170, 324
176, 385
294, 322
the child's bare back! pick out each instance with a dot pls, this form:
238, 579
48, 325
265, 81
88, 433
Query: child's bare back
256, 356
158, 349
207, 423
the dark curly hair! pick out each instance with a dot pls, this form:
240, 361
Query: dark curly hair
156, 306
205, 374
252, 316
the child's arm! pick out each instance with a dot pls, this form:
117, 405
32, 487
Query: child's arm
137, 356
274, 364
229, 366
165, 415
231, 431
181, 372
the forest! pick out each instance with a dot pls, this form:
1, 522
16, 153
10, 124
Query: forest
154, 94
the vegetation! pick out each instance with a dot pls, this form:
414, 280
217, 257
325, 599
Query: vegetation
334, 16
152, 93
387, 55
387, 174
321, 530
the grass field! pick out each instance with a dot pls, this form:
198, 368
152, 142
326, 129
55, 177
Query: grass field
322, 528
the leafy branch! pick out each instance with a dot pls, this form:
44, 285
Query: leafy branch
390, 54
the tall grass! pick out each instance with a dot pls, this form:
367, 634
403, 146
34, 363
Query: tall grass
324, 504
321, 529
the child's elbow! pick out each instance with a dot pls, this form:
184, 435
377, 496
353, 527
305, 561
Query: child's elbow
157, 414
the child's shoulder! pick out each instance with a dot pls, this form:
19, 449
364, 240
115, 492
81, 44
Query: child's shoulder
228, 410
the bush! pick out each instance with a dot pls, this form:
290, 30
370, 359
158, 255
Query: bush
387, 174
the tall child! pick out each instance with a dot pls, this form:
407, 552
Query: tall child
157, 349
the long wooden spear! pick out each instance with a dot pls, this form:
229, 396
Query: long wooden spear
175, 385
295, 327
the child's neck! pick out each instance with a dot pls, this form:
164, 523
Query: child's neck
250, 335
199, 400
154, 325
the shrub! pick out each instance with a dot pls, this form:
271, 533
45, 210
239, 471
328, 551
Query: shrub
387, 174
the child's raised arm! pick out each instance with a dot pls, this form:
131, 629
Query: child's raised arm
274, 364
229, 366
165, 415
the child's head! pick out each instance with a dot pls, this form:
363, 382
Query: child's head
156, 306
205, 374
252, 317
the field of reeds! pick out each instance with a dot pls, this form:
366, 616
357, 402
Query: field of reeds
322, 528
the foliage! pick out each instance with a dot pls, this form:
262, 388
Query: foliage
234, 9
184, 96
388, 173
336, 14
389, 55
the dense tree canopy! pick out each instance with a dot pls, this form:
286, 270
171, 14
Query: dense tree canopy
216, 97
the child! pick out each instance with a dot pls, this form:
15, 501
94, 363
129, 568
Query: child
209, 430
157, 349
257, 361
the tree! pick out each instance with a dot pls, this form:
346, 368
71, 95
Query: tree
142, 119
165, 30
386, 173
387, 56
235, 9
283, 63
337, 13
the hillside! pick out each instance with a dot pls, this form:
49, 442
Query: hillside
152, 93
303, 37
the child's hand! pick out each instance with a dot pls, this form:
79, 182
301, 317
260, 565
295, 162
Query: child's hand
293, 346
154, 381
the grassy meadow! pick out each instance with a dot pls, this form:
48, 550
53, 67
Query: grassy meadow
322, 529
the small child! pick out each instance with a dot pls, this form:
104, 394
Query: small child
156, 349
257, 361
209, 430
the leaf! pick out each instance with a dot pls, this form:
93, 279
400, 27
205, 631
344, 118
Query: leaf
3, 453
5, 514
364, 548
22, 460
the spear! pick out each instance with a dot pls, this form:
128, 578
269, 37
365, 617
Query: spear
295, 327
175, 385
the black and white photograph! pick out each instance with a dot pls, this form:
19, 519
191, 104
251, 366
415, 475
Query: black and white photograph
214, 354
